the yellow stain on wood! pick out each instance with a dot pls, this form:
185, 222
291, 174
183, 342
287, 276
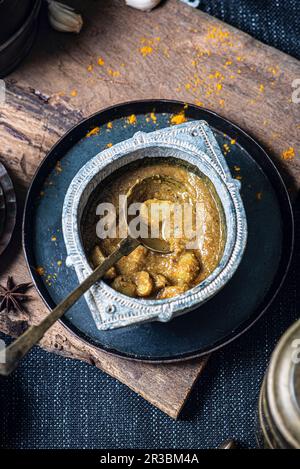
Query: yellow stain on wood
288, 154
58, 167
146, 50
113, 73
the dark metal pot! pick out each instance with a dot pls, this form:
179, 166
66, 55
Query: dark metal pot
279, 402
13, 14
18, 26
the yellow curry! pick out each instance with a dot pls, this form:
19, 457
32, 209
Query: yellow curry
148, 274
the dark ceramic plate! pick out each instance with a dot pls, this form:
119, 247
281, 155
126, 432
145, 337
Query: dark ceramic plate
220, 320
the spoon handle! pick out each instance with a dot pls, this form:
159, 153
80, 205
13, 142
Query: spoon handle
21, 346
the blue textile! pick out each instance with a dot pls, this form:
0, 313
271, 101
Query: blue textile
275, 22
51, 402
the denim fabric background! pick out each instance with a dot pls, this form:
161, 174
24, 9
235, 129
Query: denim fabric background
275, 22
51, 402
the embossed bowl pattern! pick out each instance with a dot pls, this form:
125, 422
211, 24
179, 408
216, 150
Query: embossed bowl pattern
193, 143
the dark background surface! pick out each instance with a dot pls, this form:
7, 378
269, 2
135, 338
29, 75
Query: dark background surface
52, 402
275, 22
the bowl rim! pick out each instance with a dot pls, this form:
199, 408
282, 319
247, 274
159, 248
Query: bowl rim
180, 138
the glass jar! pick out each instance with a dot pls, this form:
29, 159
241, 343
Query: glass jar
279, 401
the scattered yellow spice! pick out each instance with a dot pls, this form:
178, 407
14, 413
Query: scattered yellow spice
90, 68
109, 145
101, 61
237, 168
146, 50
261, 88
94, 131
109, 125
233, 141
59, 263
273, 70
178, 118
131, 119
53, 238
40, 270
113, 73
218, 34
288, 154
74, 93
153, 117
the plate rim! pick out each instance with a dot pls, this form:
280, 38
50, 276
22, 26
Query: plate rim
125, 109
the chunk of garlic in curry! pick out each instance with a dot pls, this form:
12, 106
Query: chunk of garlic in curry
63, 18
144, 5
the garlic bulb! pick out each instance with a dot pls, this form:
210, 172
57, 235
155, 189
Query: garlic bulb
63, 17
192, 3
145, 5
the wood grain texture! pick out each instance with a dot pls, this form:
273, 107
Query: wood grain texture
174, 52
39, 123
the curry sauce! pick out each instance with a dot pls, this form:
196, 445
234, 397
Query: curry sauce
148, 274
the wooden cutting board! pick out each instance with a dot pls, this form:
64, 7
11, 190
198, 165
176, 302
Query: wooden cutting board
123, 54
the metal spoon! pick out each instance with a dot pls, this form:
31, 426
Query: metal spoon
143, 191
21, 346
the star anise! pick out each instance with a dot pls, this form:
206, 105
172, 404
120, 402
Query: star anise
12, 295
